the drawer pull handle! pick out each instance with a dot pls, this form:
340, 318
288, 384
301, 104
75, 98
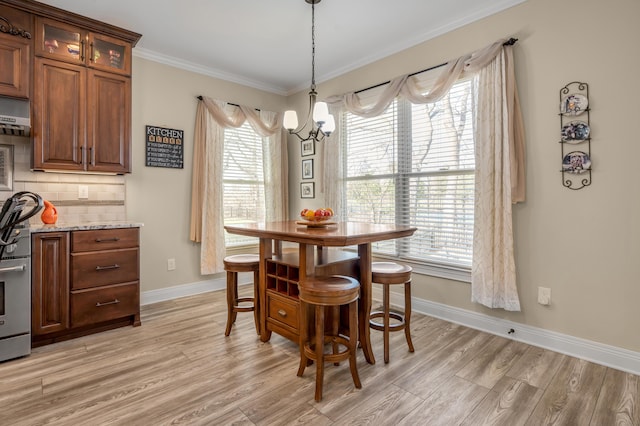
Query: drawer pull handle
113, 302
103, 268
282, 313
107, 240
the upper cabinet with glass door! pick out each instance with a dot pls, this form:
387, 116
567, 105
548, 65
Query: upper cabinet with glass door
69, 43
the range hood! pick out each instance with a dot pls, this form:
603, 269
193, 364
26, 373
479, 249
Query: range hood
14, 117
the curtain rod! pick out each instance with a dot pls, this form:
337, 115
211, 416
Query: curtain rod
509, 42
228, 103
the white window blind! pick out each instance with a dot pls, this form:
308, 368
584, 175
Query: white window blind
243, 181
414, 165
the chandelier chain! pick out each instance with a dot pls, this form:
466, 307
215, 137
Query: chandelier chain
313, 47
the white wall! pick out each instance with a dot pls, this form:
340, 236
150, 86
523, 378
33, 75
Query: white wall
583, 244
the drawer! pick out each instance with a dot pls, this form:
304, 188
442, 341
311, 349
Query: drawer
94, 269
104, 239
283, 309
91, 306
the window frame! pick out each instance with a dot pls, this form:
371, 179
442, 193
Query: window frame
403, 144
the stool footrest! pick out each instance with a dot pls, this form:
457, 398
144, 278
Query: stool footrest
392, 327
310, 349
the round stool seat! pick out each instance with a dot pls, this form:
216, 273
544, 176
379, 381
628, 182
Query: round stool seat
390, 273
329, 291
242, 262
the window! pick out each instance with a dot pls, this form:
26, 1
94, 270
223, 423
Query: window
243, 181
414, 165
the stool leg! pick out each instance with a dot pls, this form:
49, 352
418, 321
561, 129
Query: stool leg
407, 314
304, 337
231, 301
386, 321
353, 342
256, 300
335, 329
319, 351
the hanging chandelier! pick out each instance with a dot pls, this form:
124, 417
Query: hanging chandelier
320, 121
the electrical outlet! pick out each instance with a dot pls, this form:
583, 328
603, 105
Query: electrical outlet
83, 191
544, 296
171, 264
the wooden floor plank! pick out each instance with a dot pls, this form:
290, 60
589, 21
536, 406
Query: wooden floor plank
619, 400
509, 403
570, 398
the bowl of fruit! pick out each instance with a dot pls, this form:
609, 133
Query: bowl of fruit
321, 216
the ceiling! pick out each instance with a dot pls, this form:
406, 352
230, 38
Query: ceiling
266, 44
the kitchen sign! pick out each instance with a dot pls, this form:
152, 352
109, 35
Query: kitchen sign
164, 147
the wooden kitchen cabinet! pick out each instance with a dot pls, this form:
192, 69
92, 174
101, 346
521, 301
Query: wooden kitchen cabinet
82, 94
82, 118
82, 99
78, 45
16, 43
49, 283
90, 280
59, 115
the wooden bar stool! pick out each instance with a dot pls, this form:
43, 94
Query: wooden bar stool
233, 265
388, 273
330, 293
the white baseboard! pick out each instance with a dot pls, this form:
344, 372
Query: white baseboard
170, 293
599, 353
610, 356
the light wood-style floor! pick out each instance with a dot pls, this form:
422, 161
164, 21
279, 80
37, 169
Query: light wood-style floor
178, 368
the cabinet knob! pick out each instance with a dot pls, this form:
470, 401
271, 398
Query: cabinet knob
282, 313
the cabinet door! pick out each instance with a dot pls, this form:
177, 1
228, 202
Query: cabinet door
109, 122
60, 41
50, 282
14, 66
59, 121
109, 54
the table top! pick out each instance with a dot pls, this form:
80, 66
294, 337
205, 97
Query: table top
339, 234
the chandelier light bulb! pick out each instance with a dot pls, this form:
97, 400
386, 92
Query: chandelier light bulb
329, 126
320, 113
290, 120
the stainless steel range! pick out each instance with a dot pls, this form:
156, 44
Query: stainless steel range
15, 274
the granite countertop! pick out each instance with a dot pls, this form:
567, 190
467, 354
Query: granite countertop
60, 227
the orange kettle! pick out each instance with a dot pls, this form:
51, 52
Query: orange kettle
49, 215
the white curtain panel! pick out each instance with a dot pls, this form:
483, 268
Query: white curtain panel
499, 159
493, 273
207, 219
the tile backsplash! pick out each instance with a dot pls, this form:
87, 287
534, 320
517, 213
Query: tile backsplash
106, 193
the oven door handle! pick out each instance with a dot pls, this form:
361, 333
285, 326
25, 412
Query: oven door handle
19, 268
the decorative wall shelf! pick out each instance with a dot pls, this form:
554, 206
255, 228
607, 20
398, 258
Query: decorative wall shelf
575, 135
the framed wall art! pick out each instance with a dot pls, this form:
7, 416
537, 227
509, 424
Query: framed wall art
307, 169
307, 148
307, 190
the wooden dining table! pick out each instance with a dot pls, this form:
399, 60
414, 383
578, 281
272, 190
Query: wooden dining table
339, 234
